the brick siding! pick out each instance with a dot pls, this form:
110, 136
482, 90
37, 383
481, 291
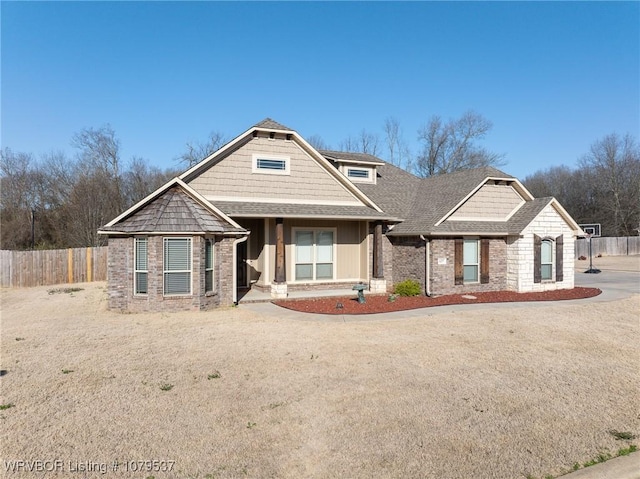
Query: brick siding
443, 275
120, 274
408, 256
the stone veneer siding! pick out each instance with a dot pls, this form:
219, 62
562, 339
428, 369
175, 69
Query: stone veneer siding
443, 275
548, 223
120, 277
408, 259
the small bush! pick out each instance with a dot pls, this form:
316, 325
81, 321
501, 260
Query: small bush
582, 258
408, 287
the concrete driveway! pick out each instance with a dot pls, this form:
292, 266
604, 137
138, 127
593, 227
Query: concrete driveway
619, 276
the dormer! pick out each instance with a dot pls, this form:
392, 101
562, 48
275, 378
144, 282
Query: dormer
358, 167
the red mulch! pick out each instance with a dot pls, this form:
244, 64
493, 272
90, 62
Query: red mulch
381, 304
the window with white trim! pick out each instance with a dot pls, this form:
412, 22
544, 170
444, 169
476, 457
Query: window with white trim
273, 165
470, 261
314, 253
208, 264
177, 266
546, 259
359, 173
141, 266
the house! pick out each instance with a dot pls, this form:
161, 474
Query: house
269, 211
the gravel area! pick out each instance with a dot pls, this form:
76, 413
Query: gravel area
495, 393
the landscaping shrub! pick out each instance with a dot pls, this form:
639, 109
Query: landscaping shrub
408, 287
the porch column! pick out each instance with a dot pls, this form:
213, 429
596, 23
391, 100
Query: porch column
378, 265
279, 285
378, 284
280, 276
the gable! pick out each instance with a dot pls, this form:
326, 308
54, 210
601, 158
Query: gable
173, 208
236, 178
492, 202
551, 221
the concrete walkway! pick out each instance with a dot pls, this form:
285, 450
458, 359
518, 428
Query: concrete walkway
624, 467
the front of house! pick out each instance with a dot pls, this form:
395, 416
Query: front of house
270, 212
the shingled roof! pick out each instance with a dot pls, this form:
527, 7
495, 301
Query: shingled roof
172, 211
269, 124
296, 210
350, 156
436, 196
394, 191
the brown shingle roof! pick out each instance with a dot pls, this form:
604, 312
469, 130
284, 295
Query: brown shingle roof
173, 211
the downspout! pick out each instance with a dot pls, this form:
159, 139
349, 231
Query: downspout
427, 265
235, 267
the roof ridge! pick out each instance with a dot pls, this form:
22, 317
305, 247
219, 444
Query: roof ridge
270, 123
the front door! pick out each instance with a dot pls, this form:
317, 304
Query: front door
241, 264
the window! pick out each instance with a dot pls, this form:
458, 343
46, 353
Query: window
208, 265
177, 266
470, 261
543, 259
141, 268
313, 255
357, 173
270, 165
546, 260
471, 258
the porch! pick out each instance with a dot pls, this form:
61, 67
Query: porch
256, 296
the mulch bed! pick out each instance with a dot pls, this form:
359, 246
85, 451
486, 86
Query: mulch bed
381, 303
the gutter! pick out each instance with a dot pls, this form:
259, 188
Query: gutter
427, 265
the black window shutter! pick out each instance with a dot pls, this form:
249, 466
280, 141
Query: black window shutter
537, 259
484, 261
457, 258
559, 258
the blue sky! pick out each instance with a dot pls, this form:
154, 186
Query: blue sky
553, 77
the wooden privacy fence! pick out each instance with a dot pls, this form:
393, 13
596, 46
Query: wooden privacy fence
46, 267
608, 246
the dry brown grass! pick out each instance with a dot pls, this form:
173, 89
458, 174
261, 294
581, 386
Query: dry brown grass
496, 393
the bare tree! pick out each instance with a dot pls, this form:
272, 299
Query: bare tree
574, 189
17, 198
318, 142
99, 151
365, 142
140, 179
615, 163
396, 145
452, 146
197, 151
